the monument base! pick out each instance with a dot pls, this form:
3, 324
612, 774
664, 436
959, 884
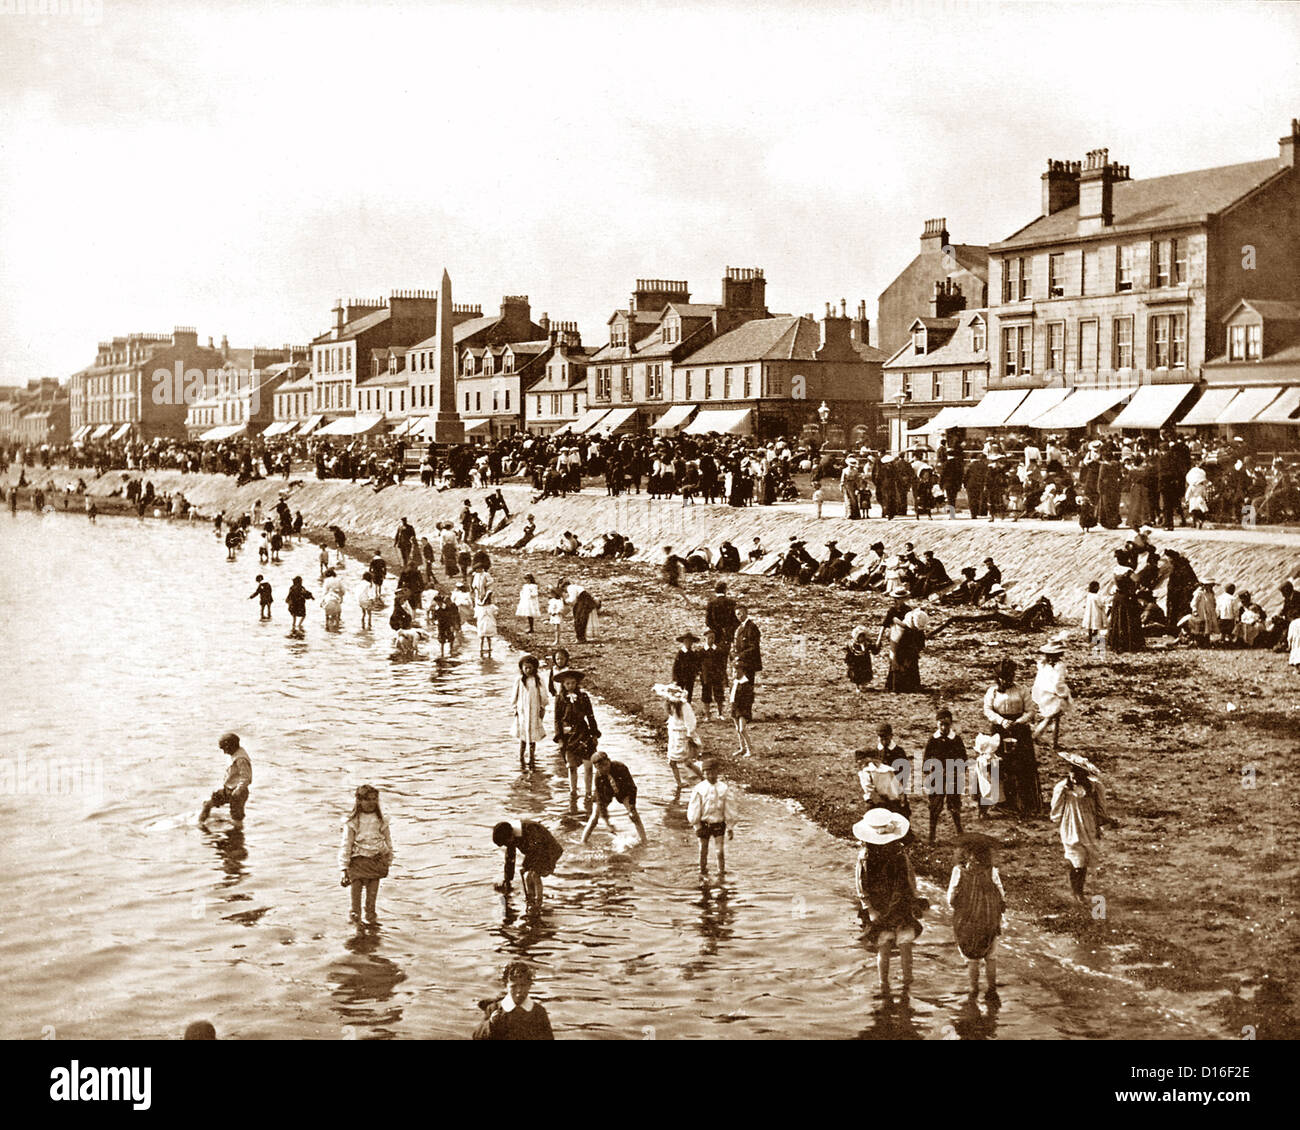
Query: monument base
444, 429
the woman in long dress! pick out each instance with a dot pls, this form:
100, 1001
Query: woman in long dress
585, 619
1124, 631
1009, 709
528, 702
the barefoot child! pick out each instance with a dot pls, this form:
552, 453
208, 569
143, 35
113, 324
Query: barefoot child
576, 731
541, 851
886, 886
528, 706
613, 783
712, 811
486, 624
1079, 807
297, 602
366, 851
368, 599
529, 607
463, 601
554, 610
742, 707
263, 591
683, 744
234, 789
977, 900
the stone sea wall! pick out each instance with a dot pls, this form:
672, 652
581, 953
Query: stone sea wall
1052, 558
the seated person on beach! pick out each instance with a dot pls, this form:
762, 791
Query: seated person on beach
567, 546
728, 558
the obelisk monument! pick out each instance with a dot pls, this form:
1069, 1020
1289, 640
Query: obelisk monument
444, 424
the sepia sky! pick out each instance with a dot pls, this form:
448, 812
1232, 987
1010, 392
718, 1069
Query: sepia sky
239, 166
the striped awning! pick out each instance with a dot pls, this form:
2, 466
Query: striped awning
120, 432
1248, 404
1151, 406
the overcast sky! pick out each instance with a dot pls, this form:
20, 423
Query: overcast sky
239, 166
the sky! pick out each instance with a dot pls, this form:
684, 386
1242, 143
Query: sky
238, 167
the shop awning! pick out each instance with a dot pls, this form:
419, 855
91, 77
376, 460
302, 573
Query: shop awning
996, 406
613, 421
586, 421
480, 425
1248, 404
1207, 409
101, 431
351, 425
1080, 409
725, 421
278, 428
1282, 409
1151, 406
950, 416
674, 418
221, 431
120, 432
82, 432
309, 425
1038, 403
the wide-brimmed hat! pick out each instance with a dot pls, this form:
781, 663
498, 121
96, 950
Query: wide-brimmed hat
688, 637
899, 590
670, 691
1052, 648
527, 658
996, 589
917, 619
1078, 760
878, 546
881, 826
860, 630
570, 673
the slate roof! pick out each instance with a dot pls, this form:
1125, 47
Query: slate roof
1177, 198
764, 339
956, 350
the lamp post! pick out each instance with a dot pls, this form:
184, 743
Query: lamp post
900, 400
823, 414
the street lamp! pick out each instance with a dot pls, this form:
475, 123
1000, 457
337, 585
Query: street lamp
823, 414
900, 400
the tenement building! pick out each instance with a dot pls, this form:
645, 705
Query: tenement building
1122, 289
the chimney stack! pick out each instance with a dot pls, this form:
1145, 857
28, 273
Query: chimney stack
1287, 145
861, 328
947, 299
1096, 190
934, 237
1060, 186
545, 322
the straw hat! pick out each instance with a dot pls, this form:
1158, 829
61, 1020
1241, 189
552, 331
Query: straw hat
860, 630
671, 692
1079, 761
881, 826
899, 591
570, 673
1052, 648
917, 619
688, 637
996, 590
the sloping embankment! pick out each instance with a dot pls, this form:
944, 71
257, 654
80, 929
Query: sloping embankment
1052, 558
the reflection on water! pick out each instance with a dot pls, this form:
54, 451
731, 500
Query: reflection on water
129, 919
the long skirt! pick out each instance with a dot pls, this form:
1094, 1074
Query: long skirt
1021, 790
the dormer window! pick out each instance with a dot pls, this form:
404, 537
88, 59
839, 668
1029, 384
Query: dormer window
918, 340
508, 365
978, 338
1245, 343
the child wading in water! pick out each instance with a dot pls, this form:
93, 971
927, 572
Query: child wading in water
613, 783
486, 624
368, 599
683, 743
712, 811
529, 607
234, 789
366, 852
541, 852
576, 731
297, 602
528, 706
263, 590
977, 900
886, 886
1079, 807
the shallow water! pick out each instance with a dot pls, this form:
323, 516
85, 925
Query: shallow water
130, 646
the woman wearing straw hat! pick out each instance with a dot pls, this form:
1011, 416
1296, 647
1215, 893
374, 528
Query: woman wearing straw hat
1079, 807
886, 888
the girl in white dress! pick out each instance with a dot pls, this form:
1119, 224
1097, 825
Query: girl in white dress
528, 703
554, 609
486, 622
368, 598
683, 743
529, 607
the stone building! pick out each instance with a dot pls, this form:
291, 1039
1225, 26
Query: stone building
1120, 284
558, 400
961, 268
140, 385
